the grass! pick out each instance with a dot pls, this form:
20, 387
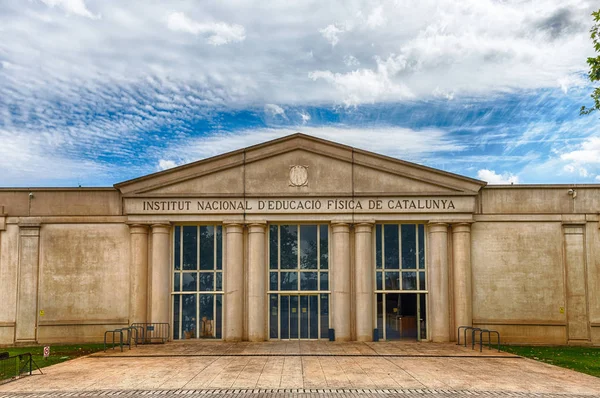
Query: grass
581, 359
58, 353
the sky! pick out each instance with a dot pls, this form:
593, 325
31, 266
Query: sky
95, 92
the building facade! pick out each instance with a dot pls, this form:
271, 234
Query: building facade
301, 238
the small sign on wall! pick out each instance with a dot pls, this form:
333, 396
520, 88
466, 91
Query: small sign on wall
41, 312
561, 310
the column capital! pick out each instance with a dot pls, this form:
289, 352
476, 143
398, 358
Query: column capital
138, 229
233, 227
340, 227
161, 228
437, 227
257, 227
461, 227
363, 227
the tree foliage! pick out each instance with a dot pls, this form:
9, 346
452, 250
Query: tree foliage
594, 63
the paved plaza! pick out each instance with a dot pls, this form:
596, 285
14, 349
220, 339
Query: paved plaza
309, 368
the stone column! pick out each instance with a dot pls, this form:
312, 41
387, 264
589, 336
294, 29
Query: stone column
138, 277
363, 279
256, 282
234, 282
461, 254
27, 297
160, 294
340, 286
438, 282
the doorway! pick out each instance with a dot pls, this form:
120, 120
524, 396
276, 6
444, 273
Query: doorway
401, 316
298, 316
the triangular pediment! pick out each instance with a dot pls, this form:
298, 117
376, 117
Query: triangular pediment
299, 165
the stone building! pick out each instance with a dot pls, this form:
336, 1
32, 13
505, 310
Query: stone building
301, 238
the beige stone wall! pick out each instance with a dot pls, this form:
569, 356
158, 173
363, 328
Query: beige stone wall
518, 276
61, 202
9, 266
84, 283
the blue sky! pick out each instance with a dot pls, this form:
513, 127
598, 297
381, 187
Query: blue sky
97, 92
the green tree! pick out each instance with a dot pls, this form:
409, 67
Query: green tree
594, 63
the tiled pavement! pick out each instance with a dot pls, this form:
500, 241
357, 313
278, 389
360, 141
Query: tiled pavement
304, 369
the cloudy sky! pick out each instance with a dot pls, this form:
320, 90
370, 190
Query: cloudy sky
95, 92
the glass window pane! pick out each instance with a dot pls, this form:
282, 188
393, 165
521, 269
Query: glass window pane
409, 246
392, 281
219, 315
219, 247
188, 320
379, 277
308, 247
190, 283
303, 317
177, 282
378, 246
380, 315
294, 312
324, 316
289, 280
219, 286
409, 281
308, 280
176, 300
284, 317
207, 247
313, 305
273, 311
190, 248
324, 280
423, 315
207, 320
273, 281
289, 246
324, 246
421, 246
207, 281
392, 246
422, 282
273, 246
177, 247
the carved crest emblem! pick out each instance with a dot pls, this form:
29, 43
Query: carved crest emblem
298, 176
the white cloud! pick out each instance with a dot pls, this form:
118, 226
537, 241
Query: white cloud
492, 177
166, 164
597, 178
376, 18
330, 33
218, 33
76, 7
274, 110
587, 153
351, 60
305, 117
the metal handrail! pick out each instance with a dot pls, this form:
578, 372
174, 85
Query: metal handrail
114, 332
19, 369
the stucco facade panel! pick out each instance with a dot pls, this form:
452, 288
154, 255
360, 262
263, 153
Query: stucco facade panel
85, 272
529, 334
518, 272
9, 263
15, 202
368, 180
225, 182
325, 175
593, 272
511, 200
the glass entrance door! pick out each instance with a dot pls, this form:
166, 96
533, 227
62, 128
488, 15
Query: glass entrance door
299, 316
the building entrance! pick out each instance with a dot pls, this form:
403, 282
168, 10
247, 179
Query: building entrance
401, 316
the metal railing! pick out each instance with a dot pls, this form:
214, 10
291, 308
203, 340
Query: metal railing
481, 331
152, 332
16, 366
